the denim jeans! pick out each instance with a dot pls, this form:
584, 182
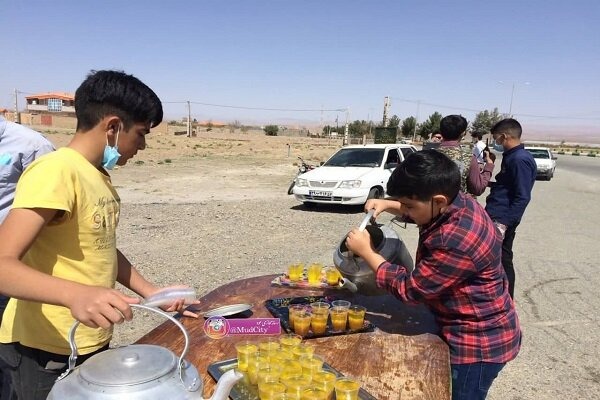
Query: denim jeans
472, 381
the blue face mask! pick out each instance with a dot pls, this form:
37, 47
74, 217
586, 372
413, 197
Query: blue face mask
111, 153
498, 147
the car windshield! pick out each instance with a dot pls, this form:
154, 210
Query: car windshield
361, 157
539, 153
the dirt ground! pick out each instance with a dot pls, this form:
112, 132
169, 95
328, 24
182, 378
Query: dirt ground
211, 209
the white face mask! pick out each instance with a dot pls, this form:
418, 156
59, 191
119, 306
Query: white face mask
497, 146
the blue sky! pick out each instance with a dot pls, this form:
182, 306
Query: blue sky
319, 54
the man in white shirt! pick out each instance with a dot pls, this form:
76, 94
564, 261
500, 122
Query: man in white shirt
478, 147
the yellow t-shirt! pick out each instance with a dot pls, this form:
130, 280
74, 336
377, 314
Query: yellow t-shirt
81, 247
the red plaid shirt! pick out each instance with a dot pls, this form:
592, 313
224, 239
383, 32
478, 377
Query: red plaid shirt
459, 275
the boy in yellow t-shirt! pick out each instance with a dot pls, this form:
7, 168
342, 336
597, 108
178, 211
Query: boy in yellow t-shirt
58, 254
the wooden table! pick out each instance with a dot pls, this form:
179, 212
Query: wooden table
403, 358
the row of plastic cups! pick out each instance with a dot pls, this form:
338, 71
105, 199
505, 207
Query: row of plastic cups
314, 273
288, 346
315, 317
345, 388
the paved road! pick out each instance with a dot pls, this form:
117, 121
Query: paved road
589, 166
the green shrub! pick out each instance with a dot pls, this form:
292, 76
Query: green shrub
561, 152
168, 161
139, 162
591, 154
576, 153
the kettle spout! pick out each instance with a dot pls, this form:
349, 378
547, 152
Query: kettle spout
225, 383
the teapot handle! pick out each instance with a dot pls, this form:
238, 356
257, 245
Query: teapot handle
73, 345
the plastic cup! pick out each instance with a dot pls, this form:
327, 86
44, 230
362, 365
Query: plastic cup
244, 350
269, 346
314, 272
356, 317
296, 385
289, 341
311, 365
339, 318
295, 272
256, 362
290, 369
332, 276
268, 390
292, 310
346, 389
302, 322
341, 303
318, 322
324, 380
303, 349
314, 394
268, 374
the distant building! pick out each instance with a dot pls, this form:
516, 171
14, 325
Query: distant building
51, 103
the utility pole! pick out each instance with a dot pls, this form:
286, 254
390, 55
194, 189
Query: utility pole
16, 117
346, 127
386, 106
416, 121
189, 121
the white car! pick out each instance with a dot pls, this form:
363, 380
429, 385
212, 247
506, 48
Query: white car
544, 160
352, 175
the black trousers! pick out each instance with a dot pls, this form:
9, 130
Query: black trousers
507, 257
29, 374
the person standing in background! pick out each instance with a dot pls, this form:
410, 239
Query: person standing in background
478, 147
19, 147
511, 192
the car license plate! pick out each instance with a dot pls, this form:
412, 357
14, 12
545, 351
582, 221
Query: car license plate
319, 193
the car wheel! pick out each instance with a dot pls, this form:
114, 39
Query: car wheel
291, 188
374, 193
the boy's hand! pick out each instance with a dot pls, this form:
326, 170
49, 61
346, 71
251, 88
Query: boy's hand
379, 205
96, 306
359, 242
179, 304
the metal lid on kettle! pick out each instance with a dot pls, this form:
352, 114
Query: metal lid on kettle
130, 365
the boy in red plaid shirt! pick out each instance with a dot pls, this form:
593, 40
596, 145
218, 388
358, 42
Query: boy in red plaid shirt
458, 272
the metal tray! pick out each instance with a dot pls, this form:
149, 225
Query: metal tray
279, 309
244, 391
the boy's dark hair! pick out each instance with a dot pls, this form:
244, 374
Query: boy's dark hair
509, 126
452, 126
477, 134
105, 93
424, 174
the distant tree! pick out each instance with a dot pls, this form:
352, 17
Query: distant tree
394, 121
358, 128
408, 126
432, 124
271, 130
485, 120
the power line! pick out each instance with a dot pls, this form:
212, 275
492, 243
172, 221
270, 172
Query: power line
516, 115
257, 108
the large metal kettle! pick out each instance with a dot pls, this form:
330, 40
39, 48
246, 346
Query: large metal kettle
357, 272
135, 372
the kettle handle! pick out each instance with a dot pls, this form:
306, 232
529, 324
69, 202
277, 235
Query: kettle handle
73, 345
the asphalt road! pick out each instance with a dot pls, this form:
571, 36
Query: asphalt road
556, 259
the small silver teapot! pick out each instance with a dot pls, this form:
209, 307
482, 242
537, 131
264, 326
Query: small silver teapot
136, 372
357, 275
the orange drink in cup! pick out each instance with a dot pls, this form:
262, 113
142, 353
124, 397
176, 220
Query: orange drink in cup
256, 362
339, 318
324, 380
289, 341
320, 314
346, 389
356, 317
292, 310
244, 350
290, 369
303, 349
268, 390
296, 385
314, 272
314, 394
295, 272
332, 276
302, 322
311, 365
